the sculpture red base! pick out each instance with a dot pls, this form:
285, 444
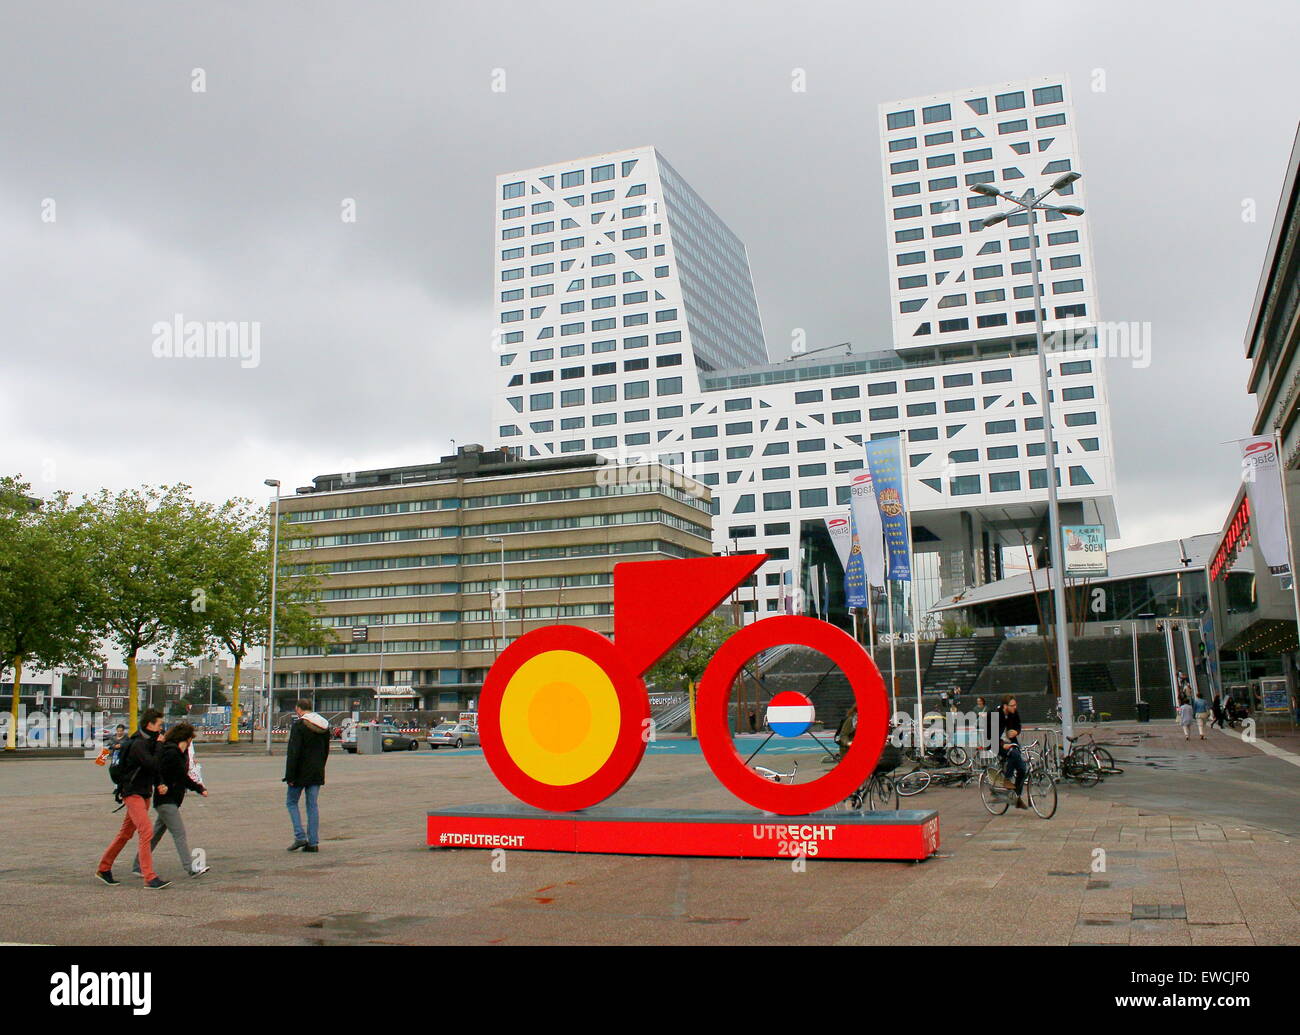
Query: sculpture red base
908, 834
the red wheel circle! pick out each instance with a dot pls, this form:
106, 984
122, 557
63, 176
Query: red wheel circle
713, 697
633, 712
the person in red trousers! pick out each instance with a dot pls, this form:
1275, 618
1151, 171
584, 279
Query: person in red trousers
137, 785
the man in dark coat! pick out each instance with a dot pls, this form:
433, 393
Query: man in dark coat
304, 771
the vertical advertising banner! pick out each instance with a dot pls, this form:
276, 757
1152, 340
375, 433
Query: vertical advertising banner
885, 459
1263, 476
1085, 551
841, 533
866, 517
855, 573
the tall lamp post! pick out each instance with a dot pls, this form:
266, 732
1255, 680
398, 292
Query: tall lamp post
275, 567
1031, 203
500, 541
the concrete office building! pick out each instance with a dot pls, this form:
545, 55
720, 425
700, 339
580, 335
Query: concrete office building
1259, 609
414, 555
627, 325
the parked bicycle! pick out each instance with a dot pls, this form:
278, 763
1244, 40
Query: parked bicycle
879, 792
777, 776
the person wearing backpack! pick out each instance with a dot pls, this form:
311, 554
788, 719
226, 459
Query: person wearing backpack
174, 779
136, 775
304, 770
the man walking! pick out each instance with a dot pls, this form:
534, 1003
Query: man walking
304, 771
138, 766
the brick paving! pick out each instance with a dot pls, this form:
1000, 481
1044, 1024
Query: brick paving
1105, 870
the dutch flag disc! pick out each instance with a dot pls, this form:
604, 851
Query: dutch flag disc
789, 714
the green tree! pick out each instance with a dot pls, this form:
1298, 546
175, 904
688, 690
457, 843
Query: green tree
46, 596
207, 689
238, 607
150, 562
686, 662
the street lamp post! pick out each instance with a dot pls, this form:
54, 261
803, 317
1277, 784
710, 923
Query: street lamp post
1031, 202
275, 566
500, 541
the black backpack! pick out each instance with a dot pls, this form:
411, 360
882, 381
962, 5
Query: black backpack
121, 770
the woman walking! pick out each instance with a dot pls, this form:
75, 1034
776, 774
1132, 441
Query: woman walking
173, 781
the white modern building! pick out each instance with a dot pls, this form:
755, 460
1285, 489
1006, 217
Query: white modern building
627, 325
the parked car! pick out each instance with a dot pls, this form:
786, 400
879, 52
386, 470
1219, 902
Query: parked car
455, 734
392, 738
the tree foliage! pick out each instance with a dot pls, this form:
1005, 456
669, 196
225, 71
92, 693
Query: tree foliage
47, 598
686, 662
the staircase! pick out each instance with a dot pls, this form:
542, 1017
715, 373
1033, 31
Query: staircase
958, 663
1090, 678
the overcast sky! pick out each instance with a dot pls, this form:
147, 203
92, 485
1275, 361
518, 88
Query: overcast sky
226, 205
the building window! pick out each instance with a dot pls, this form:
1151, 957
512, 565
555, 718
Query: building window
1010, 101
1048, 95
776, 501
964, 485
1004, 481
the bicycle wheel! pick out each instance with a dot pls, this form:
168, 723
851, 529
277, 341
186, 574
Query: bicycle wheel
957, 756
881, 793
913, 783
1107, 762
1042, 793
1081, 767
995, 799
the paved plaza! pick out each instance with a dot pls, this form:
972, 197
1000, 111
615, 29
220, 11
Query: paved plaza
1200, 844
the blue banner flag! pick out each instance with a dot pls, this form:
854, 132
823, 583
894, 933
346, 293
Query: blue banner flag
885, 461
855, 574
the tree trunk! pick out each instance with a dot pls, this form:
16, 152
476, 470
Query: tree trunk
11, 738
233, 736
132, 695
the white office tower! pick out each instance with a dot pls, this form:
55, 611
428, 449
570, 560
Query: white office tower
627, 325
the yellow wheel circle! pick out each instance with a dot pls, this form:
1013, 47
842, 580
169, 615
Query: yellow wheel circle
559, 717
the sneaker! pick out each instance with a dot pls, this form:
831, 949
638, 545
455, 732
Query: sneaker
157, 884
296, 845
107, 877
200, 871
311, 848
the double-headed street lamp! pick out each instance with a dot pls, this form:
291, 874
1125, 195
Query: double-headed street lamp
1031, 203
275, 565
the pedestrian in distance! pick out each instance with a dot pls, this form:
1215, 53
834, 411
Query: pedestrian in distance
304, 773
1185, 715
174, 780
119, 738
1217, 710
1201, 712
138, 775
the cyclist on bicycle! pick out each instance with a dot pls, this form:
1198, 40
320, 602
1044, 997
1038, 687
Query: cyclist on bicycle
844, 735
1013, 761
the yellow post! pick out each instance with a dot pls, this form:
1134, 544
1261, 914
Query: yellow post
132, 702
11, 738
690, 689
233, 737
